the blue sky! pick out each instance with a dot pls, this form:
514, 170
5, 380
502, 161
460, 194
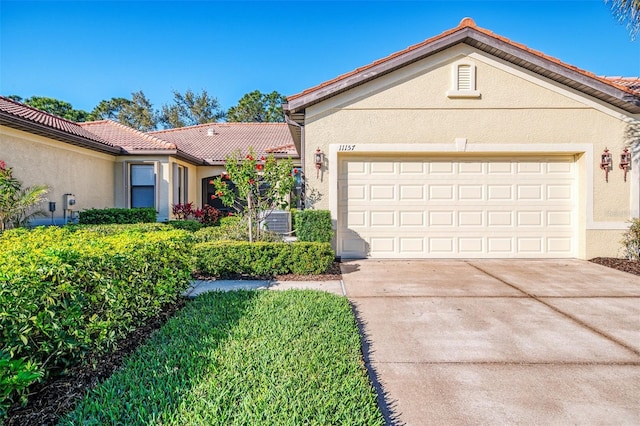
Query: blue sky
86, 51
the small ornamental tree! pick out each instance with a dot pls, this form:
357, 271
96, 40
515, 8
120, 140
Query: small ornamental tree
263, 184
18, 205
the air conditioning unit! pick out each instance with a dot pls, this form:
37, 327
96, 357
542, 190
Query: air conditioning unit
278, 221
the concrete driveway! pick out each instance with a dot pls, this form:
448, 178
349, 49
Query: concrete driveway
551, 342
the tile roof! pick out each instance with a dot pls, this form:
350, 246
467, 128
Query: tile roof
633, 83
214, 146
35, 116
126, 137
468, 23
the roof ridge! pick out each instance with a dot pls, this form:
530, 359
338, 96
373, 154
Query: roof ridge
464, 24
218, 124
145, 135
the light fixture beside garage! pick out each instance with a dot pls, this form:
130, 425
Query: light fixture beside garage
605, 163
625, 162
319, 160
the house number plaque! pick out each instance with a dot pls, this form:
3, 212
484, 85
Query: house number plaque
347, 148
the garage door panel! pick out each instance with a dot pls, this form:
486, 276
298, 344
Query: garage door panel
448, 207
382, 192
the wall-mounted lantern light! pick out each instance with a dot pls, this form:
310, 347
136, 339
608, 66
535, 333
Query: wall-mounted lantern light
319, 160
625, 162
605, 163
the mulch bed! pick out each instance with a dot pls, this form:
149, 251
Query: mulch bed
630, 266
49, 401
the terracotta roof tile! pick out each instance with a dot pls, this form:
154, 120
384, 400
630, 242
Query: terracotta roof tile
289, 149
215, 145
632, 83
25, 112
126, 137
469, 23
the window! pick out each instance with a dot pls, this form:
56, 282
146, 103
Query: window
143, 185
180, 186
463, 84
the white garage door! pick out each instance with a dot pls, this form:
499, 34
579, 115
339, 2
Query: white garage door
413, 207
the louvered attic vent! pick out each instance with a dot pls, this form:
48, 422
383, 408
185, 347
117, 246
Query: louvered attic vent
463, 81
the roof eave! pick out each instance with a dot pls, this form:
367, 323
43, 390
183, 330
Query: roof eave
540, 65
301, 102
560, 73
59, 135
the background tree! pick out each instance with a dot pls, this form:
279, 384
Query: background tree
138, 113
627, 11
109, 109
263, 183
258, 107
18, 205
54, 106
190, 109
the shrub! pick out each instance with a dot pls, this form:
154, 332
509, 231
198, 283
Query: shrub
313, 225
117, 215
187, 225
224, 258
631, 240
207, 215
110, 229
67, 291
233, 228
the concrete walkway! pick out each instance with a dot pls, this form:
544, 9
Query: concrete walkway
500, 341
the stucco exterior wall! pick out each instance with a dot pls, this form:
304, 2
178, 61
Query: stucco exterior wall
65, 168
515, 108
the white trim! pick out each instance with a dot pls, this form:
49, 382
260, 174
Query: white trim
455, 91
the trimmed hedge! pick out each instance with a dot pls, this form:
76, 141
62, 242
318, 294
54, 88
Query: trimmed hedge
117, 215
67, 291
313, 225
224, 258
187, 225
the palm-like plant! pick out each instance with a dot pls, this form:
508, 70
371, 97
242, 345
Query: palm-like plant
627, 11
18, 205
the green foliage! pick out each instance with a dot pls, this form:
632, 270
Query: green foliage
18, 205
110, 109
16, 375
111, 229
138, 113
264, 183
187, 225
631, 240
258, 107
67, 291
234, 228
190, 109
118, 215
313, 225
54, 106
224, 258
243, 358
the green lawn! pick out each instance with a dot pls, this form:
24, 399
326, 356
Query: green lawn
243, 358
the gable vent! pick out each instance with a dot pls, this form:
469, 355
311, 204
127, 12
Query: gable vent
464, 77
463, 80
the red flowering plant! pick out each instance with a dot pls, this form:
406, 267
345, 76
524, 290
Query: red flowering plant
263, 184
207, 215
